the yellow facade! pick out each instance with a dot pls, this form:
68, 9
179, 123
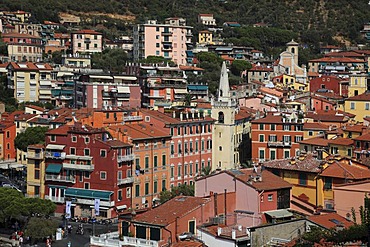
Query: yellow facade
357, 84
342, 150
35, 172
361, 108
205, 37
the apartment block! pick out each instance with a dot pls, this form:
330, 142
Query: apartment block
86, 41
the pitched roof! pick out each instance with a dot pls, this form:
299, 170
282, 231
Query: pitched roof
304, 163
315, 126
87, 31
19, 35
341, 141
167, 213
325, 117
346, 171
141, 131
269, 119
360, 97
39, 108
364, 137
344, 54
355, 128
336, 59
331, 220
268, 180
316, 141
117, 143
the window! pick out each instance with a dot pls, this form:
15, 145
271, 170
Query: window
310, 133
178, 131
155, 161
298, 138
87, 152
287, 127
103, 153
179, 171
328, 183
220, 148
171, 130
196, 146
156, 44
155, 187
79, 44
221, 117
191, 226
87, 175
179, 148
163, 160
74, 138
286, 154
172, 171
270, 197
261, 127
146, 163
119, 195
53, 138
349, 152
202, 145
172, 148
272, 154
272, 138
261, 154
146, 189
367, 106
128, 192
103, 175
87, 186
272, 127
72, 151
353, 106
261, 138
137, 190
37, 174
163, 184
303, 179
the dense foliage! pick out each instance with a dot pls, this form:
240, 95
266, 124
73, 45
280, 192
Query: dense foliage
110, 60
321, 18
39, 228
183, 189
32, 135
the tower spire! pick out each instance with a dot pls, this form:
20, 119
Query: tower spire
223, 89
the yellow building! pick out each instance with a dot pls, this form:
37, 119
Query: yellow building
341, 146
35, 171
314, 129
358, 84
205, 37
358, 105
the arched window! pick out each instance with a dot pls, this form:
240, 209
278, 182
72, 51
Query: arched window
221, 117
293, 50
220, 93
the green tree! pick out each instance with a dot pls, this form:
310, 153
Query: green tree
110, 60
206, 170
39, 228
239, 66
183, 189
32, 135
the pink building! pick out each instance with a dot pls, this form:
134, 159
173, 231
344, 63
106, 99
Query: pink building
105, 91
257, 191
191, 144
170, 40
356, 192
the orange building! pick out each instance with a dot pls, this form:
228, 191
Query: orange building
7, 136
151, 163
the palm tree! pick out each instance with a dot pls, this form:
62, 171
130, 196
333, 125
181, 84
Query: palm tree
206, 170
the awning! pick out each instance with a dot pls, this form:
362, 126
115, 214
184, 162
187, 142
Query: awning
279, 214
54, 168
90, 194
45, 83
198, 87
106, 77
15, 166
60, 74
181, 91
123, 89
43, 91
125, 78
121, 207
55, 147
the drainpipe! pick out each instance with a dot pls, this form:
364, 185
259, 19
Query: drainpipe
170, 240
225, 207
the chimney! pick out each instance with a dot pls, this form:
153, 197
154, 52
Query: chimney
219, 231
233, 234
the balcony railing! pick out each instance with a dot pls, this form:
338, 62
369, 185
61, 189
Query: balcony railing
35, 155
91, 202
55, 155
71, 166
279, 144
129, 180
132, 118
54, 198
112, 240
123, 158
60, 178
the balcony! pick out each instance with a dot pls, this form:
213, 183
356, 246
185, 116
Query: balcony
132, 118
71, 166
112, 240
91, 202
167, 48
279, 144
55, 155
60, 178
166, 33
129, 180
36, 156
123, 158
78, 157
54, 198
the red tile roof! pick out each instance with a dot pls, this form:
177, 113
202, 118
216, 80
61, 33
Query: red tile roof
316, 141
336, 59
116, 143
167, 213
24, 117
346, 171
331, 220
364, 137
360, 97
19, 35
315, 126
188, 243
36, 107
355, 128
87, 31
344, 54
341, 141
261, 68
141, 131
269, 119
190, 68
226, 231
307, 163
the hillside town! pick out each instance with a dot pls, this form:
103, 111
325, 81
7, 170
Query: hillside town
280, 155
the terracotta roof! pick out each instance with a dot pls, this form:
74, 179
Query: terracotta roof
226, 231
341, 141
141, 131
62, 130
364, 137
190, 68
269, 181
331, 220
315, 126
243, 113
271, 91
307, 163
19, 35
168, 118
188, 243
269, 119
24, 117
316, 141
336, 59
261, 68
327, 117
117, 143
76, 128
360, 97
167, 213
346, 171
38, 146
355, 128
36, 107
30, 66
344, 54
86, 31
